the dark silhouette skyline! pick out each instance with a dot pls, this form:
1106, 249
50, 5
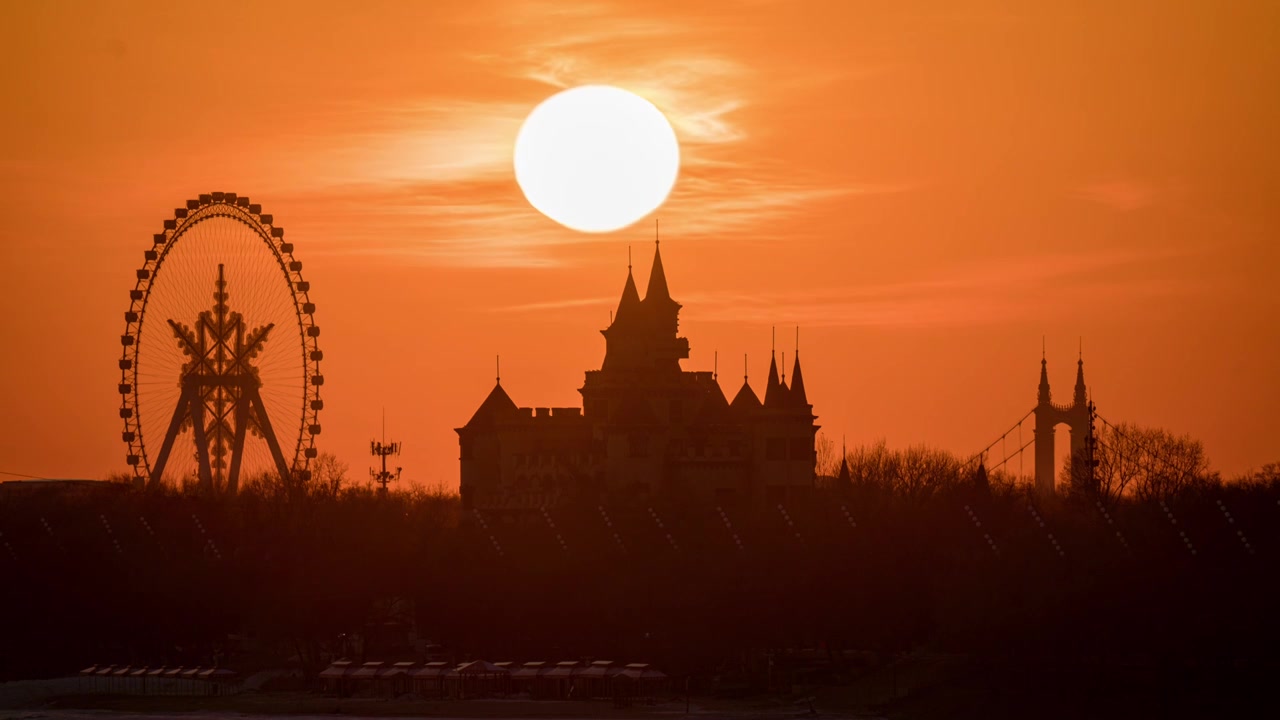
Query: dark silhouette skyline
646, 427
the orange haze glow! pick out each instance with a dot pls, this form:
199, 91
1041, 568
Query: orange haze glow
926, 191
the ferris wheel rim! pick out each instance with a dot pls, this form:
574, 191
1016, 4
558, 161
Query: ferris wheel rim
237, 208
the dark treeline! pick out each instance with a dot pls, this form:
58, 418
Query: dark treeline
916, 551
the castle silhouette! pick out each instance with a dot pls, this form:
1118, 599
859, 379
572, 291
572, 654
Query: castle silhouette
647, 428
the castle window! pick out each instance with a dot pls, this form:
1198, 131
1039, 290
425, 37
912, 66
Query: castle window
776, 449
801, 449
677, 411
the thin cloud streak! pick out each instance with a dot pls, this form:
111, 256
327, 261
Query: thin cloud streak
981, 294
968, 295
436, 180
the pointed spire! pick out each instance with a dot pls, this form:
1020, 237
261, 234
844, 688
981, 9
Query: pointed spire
657, 289
1081, 396
746, 399
798, 395
774, 391
980, 480
630, 302
1043, 396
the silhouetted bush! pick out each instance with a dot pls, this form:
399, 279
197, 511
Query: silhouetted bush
916, 553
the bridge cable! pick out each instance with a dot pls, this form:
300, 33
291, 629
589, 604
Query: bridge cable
1016, 426
1017, 452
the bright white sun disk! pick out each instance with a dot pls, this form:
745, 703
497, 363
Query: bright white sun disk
596, 158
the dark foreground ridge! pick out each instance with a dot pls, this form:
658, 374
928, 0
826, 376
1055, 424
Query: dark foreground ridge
947, 591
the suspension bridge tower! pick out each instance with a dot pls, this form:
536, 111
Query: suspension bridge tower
1049, 415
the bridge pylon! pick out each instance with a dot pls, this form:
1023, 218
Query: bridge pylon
1049, 415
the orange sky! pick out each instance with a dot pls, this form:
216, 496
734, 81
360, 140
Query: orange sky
925, 192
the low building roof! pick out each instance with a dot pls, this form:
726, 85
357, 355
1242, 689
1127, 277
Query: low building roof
431, 669
598, 669
567, 668
480, 667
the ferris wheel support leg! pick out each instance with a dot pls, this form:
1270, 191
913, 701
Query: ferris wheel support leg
237, 444
202, 445
269, 434
179, 412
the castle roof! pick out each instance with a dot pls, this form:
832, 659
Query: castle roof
746, 399
715, 408
497, 407
775, 393
657, 291
797, 395
629, 305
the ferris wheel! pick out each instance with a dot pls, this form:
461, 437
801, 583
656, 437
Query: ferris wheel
220, 372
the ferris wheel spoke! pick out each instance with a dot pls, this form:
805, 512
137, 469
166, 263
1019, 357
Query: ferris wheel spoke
221, 323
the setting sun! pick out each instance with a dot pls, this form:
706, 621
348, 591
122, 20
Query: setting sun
596, 158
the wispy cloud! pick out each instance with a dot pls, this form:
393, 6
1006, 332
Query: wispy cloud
994, 291
435, 175
991, 292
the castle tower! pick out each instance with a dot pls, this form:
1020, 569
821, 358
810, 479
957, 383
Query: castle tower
1049, 416
646, 427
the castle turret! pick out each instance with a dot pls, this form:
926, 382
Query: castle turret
797, 395
746, 400
629, 305
775, 393
642, 336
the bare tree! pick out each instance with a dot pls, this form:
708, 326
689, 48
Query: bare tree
828, 462
916, 472
328, 476
1147, 463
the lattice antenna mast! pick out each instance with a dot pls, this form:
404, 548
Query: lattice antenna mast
1091, 445
382, 449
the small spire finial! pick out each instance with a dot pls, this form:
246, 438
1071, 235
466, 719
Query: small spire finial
715, 367
497, 368
773, 344
744, 367
628, 258
655, 231
1081, 358
1042, 347
797, 341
